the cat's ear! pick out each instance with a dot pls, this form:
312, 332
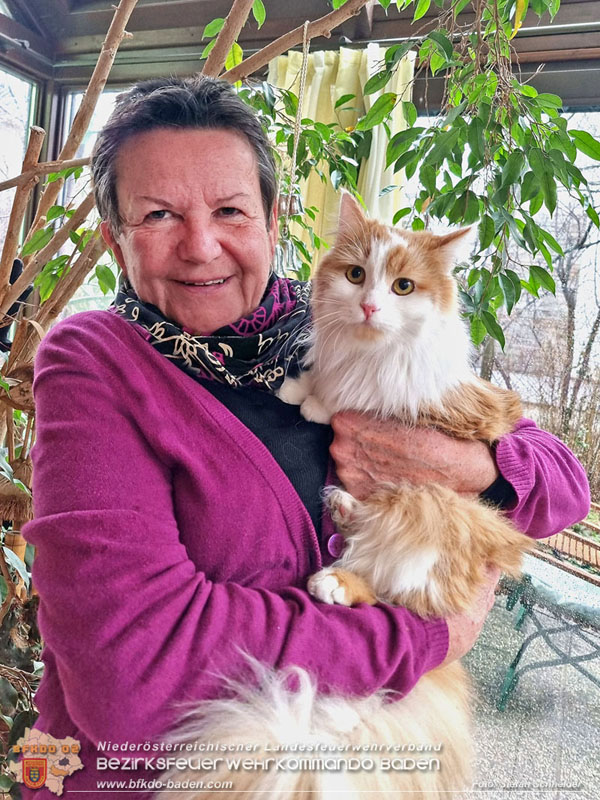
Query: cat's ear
456, 246
352, 218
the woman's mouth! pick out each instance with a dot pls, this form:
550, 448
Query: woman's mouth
215, 282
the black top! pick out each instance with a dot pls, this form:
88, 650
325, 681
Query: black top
300, 448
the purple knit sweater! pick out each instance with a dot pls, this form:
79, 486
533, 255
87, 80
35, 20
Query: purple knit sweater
169, 540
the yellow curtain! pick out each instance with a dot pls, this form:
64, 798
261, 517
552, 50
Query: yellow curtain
330, 75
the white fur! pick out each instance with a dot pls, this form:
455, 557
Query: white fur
273, 716
325, 586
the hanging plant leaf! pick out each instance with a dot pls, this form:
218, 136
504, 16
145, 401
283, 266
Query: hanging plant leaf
493, 328
478, 330
586, 143
258, 12
382, 107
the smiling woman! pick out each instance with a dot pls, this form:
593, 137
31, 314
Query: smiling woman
194, 240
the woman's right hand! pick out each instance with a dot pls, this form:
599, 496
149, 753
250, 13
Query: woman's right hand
464, 629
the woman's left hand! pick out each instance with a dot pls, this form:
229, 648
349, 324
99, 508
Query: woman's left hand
369, 451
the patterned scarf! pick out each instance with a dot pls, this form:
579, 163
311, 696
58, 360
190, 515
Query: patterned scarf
258, 350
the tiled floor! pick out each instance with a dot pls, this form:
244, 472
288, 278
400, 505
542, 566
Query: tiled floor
546, 744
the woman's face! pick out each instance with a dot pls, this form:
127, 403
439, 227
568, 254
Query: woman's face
194, 240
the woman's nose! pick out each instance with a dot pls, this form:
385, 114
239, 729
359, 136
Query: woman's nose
200, 241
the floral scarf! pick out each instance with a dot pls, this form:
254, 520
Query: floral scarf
258, 350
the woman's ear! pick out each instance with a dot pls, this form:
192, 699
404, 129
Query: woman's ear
111, 241
273, 229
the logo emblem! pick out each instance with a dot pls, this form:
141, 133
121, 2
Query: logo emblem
34, 772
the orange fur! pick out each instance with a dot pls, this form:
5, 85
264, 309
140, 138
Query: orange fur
396, 524
475, 411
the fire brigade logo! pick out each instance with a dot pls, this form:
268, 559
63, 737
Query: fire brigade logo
45, 761
34, 772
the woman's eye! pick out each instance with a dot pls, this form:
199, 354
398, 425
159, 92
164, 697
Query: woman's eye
355, 274
229, 211
160, 213
403, 286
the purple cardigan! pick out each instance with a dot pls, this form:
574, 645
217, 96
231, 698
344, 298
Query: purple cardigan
169, 540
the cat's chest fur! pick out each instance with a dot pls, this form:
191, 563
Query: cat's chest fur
391, 377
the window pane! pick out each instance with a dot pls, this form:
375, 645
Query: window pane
89, 296
16, 100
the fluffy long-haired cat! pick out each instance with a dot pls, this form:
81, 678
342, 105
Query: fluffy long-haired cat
387, 339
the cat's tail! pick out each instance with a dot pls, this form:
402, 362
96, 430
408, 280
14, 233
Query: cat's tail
283, 740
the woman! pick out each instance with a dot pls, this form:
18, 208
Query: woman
177, 500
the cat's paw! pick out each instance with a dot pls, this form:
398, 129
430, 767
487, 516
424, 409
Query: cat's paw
341, 504
340, 587
313, 410
292, 391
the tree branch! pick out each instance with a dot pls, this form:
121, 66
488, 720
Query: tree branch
320, 27
235, 21
45, 168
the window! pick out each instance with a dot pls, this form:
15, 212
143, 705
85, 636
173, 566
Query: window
17, 103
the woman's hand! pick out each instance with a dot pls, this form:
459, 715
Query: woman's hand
464, 629
369, 451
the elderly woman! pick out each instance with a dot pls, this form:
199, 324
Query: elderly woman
178, 510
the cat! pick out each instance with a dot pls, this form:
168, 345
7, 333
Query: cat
388, 340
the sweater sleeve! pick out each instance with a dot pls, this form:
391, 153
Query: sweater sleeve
551, 487
134, 625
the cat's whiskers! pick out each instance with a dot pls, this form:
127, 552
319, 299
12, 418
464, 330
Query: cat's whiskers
335, 329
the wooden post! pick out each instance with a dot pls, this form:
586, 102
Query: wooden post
19, 206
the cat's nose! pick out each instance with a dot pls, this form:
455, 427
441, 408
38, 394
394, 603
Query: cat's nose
369, 309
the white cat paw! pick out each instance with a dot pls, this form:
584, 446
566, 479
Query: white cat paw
325, 586
292, 391
341, 503
313, 410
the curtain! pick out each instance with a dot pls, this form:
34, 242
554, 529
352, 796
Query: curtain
330, 75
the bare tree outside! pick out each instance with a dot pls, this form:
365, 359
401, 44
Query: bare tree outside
552, 353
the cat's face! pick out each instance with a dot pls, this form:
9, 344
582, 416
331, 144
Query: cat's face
379, 281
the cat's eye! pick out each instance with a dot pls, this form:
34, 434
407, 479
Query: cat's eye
403, 286
355, 274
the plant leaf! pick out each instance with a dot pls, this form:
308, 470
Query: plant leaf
39, 240
397, 52
508, 292
13, 560
54, 212
377, 82
444, 44
410, 112
493, 328
344, 99
234, 57
586, 143
421, 9
487, 231
542, 277
478, 330
258, 12
379, 111
214, 27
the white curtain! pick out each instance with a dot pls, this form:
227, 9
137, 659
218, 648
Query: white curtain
330, 75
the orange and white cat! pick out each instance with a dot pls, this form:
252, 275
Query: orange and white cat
388, 340
387, 336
